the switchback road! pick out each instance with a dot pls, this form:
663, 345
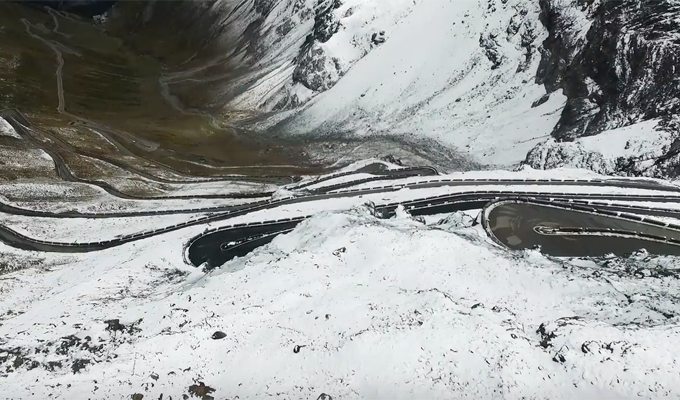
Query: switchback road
21, 125
573, 231
220, 245
214, 248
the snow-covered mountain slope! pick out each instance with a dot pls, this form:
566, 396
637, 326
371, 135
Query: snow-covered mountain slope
490, 79
459, 72
346, 305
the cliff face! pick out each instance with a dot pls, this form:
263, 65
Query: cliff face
617, 63
615, 60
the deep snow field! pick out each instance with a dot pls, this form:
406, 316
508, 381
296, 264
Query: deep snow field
347, 305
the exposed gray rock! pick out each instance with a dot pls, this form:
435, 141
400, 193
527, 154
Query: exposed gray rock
615, 60
316, 71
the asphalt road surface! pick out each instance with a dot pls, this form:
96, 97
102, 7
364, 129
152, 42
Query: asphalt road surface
574, 233
511, 224
218, 247
524, 226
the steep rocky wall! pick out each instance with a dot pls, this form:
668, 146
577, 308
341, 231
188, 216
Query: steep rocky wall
615, 60
617, 63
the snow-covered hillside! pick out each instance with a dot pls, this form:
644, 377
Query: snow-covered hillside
459, 72
487, 79
345, 305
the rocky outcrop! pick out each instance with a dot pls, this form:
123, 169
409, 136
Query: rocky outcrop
315, 69
615, 60
549, 155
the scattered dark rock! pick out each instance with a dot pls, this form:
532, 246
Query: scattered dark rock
546, 337
585, 347
19, 361
67, 342
559, 358
137, 396
297, 348
477, 305
79, 364
491, 50
52, 365
33, 365
74, 342
540, 101
324, 396
339, 251
114, 325
391, 159
219, 335
378, 38
154, 376
201, 391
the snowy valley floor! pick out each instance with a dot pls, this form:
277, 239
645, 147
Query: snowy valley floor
347, 305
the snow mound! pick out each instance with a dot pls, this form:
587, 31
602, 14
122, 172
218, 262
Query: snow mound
347, 305
456, 221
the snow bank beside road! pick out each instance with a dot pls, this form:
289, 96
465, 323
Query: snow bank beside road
378, 309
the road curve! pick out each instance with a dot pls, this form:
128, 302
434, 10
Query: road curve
219, 246
566, 230
431, 205
215, 247
19, 123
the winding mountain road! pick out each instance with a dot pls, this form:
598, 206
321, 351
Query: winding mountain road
525, 214
21, 125
219, 245
214, 248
